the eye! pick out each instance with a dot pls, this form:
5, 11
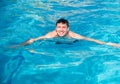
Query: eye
64, 27
58, 27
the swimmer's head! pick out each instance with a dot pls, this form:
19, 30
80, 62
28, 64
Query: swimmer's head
62, 27
63, 21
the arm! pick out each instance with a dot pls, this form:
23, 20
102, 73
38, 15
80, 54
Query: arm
101, 42
32, 40
77, 36
94, 40
28, 42
48, 35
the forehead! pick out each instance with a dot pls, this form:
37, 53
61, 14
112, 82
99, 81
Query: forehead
61, 24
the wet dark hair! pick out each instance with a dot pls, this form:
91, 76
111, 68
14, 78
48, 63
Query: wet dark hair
64, 21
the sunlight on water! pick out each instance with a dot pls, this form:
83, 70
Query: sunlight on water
110, 73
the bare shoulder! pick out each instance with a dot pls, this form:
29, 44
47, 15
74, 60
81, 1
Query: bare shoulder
75, 35
51, 34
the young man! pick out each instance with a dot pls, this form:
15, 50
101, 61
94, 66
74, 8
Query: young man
62, 30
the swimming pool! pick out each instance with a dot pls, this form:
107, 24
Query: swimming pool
45, 62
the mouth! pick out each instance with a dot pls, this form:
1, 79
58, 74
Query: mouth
61, 33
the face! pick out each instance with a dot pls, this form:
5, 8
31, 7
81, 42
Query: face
62, 29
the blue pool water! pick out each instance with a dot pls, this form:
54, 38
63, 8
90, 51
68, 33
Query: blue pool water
45, 62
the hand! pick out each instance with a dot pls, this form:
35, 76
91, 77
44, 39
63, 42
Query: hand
28, 42
23, 44
113, 44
